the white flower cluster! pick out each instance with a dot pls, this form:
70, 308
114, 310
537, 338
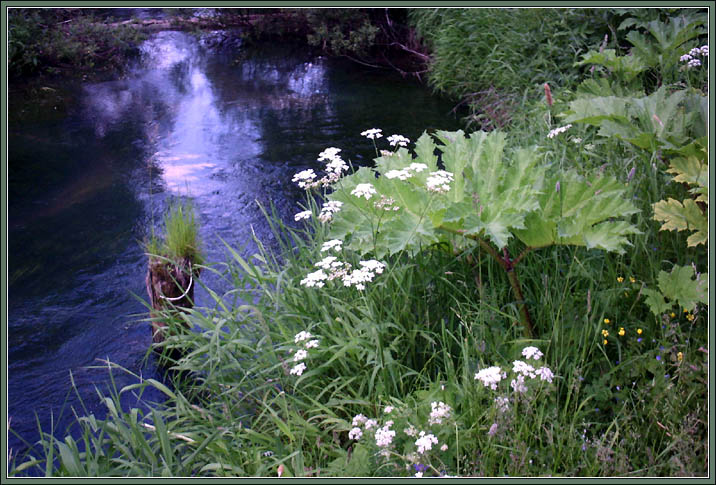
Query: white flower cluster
331, 268
384, 436
363, 190
532, 353
425, 442
302, 215
439, 411
328, 209
559, 130
333, 244
359, 277
307, 341
439, 182
492, 376
407, 172
335, 167
315, 279
691, 58
398, 140
373, 133
305, 178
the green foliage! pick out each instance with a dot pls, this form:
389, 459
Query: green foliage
680, 288
52, 40
181, 236
660, 120
495, 195
341, 31
509, 49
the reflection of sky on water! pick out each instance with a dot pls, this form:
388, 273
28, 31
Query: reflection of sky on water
228, 128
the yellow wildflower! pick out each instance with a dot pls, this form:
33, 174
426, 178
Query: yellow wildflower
605, 341
680, 356
638, 330
620, 279
672, 315
690, 317
605, 333
607, 321
632, 279
621, 331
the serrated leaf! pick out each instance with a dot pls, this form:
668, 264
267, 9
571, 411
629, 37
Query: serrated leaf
679, 217
681, 288
408, 232
690, 171
579, 213
655, 301
595, 110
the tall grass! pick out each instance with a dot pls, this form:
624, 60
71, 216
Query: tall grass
488, 55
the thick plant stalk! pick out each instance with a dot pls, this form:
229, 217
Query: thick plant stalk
509, 266
524, 312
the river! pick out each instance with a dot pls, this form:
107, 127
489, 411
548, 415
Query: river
197, 116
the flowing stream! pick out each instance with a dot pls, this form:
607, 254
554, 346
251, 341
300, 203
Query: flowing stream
200, 117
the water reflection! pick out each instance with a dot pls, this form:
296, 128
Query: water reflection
227, 128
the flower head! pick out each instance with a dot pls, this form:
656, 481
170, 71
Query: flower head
384, 436
363, 190
355, 433
314, 279
425, 442
328, 154
491, 376
439, 182
301, 336
333, 244
502, 403
298, 369
621, 331
532, 353
359, 419
440, 411
302, 215
305, 178
328, 209
373, 133
398, 140
545, 374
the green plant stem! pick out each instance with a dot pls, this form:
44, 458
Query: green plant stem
509, 266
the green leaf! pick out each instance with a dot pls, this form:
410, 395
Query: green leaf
681, 288
690, 171
655, 301
679, 217
580, 213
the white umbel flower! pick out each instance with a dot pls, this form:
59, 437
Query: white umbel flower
364, 190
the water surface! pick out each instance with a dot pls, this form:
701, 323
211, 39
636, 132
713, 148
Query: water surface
226, 127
